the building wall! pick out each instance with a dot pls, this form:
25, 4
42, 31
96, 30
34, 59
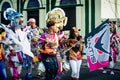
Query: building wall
98, 18
80, 13
80, 17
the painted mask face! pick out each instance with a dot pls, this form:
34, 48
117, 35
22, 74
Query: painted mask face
15, 17
18, 22
111, 29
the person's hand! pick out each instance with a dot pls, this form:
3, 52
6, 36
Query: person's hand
37, 49
47, 40
34, 39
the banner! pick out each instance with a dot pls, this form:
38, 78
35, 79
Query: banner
97, 45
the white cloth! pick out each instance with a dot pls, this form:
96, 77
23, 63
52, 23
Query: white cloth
75, 66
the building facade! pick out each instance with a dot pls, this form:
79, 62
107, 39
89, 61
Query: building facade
85, 14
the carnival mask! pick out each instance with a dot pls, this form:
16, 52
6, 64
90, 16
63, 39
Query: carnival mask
58, 15
15, 17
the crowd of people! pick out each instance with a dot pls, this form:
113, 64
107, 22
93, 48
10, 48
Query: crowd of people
30, 46
49, 51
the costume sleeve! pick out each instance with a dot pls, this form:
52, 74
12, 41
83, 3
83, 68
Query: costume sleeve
42, 38
61, 34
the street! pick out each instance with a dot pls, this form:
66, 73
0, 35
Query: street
85, 74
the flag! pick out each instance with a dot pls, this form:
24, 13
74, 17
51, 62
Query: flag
97, 45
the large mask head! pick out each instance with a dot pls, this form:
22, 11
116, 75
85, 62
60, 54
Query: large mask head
58, 15
15, 17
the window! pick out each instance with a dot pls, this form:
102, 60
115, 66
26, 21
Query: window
4, 7
33, 4
68, 2
70, 13
33, 13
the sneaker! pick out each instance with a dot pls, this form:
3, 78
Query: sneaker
112, 73
104, 72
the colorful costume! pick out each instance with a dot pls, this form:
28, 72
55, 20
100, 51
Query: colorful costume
114, 41
113, 50
48, 53
58, 15
16, 39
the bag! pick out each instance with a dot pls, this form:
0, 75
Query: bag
41, 67
66, 65
35, 59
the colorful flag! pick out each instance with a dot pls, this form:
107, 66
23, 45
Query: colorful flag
97, 45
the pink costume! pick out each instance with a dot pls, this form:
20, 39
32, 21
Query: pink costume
113, 49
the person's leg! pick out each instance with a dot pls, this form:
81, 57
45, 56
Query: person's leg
55, 69
28, 66
79, 62
59, 60
112, 67
73, 65
3, 74
48, 63
113, 61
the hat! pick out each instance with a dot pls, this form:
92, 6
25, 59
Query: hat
31, 20
75, 28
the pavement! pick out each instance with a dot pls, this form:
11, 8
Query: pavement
85, 73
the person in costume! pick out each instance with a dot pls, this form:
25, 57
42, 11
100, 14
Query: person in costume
15, 53
114, 51
3, 75
49, 41
58, 15
19, 45
33, 35
75, 52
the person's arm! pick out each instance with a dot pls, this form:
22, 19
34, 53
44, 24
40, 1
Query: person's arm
81, 44
3, 53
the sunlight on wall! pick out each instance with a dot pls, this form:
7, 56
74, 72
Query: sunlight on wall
108, 9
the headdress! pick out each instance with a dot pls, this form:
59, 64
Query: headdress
11, 14
58, 15
15, 17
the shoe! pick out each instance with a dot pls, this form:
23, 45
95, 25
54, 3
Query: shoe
28, 76
104, 72
112, 73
